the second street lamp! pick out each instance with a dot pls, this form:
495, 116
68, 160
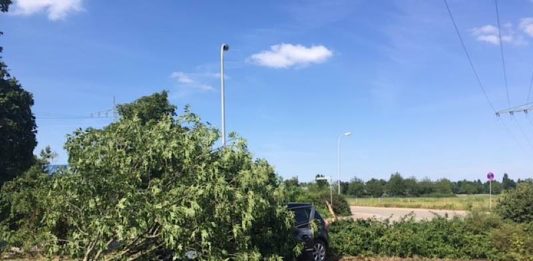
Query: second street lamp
339, 160
223, 48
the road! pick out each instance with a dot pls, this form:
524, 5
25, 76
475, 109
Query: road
397, 213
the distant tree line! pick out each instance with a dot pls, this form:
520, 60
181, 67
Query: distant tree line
398, 186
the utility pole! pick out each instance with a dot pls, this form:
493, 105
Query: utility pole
115, 112
339, 160
110, 113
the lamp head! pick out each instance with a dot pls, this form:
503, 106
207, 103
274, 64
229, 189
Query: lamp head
348, 133
225, 47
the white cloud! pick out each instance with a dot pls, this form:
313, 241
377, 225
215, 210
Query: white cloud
486, 29
193, 80
56, 9
182, 77
288, 55
489, 34
526, 25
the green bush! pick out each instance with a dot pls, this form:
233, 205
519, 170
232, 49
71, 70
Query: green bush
479, 235
517, 204
318, 198
436, 238
513, 241
23, 202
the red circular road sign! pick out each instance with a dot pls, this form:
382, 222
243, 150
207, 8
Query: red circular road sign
490, 176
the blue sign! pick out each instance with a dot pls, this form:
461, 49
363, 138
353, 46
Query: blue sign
490, 176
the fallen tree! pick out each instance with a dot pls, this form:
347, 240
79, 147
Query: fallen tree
151, 185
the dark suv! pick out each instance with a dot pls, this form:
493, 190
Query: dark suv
315, 244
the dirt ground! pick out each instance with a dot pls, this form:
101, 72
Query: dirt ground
386, 259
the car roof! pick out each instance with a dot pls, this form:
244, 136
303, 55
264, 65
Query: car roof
298, 205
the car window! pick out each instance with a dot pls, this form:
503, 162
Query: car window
317, 216
301, 215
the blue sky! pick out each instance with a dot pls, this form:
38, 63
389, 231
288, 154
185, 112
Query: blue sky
299, 73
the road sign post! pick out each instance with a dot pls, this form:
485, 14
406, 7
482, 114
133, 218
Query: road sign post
490, 177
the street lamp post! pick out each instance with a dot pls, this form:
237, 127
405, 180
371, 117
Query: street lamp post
223, 48
339, 160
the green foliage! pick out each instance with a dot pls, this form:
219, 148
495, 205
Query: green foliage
143, 189
17, 127
148, 108
4, 5
375, 188
17, 123
292, 182
508, 183
356, 187
478, 236
436, 238
398, 186
395, 186
513, 241
23, 202
318, 196
443, 187
517, 204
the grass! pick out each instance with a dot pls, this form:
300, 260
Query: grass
459, 202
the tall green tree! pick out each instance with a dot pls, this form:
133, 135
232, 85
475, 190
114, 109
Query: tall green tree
395, 186
4, 5
148, 108
17, 123
508, 183
425, 187
375, 187
411, 187
444, 187
356, 187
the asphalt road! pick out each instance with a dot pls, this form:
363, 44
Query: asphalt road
397, 213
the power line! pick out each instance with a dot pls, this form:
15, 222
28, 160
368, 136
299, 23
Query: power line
480, 84
104, 114
530, 86
501, 52
523, 132
529, 120
468, 57
69, 118
513, 136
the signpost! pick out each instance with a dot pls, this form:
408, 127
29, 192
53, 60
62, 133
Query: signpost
490, 177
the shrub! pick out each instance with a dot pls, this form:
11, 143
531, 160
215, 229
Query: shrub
319, 197
23, 202
436, 238
513, 241
517, 204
